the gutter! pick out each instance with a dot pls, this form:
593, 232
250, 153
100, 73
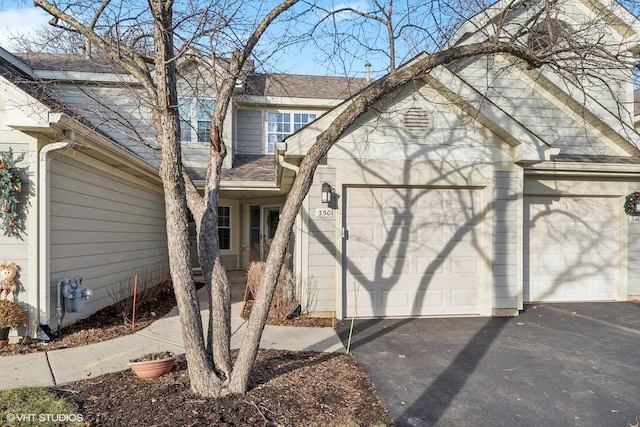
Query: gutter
43, 223
281, 149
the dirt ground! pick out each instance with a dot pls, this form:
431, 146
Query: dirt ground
286, 388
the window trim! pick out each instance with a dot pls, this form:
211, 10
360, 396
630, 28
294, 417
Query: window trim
194, 103
229, 227
292, 125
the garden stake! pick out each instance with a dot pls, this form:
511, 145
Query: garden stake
353, 318
135, 293
333, 300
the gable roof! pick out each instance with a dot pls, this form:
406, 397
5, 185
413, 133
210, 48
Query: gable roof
69, 62
301, 86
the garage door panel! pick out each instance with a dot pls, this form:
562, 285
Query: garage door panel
462, 266
570, 256
427, 264
395, 267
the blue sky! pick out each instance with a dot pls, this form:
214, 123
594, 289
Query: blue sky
18, 17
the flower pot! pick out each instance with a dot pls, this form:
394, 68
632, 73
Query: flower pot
153, 368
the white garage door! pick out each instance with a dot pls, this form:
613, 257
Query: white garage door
571, 249
413, 252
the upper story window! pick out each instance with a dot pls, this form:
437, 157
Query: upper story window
195, 119
548, 34
280, 125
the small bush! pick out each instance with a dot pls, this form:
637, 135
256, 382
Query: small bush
284, 299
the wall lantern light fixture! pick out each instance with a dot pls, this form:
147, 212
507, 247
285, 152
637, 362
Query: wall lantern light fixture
327, 192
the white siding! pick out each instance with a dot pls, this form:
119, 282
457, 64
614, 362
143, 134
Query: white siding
104, 228
382, 134
524, 101
507, 223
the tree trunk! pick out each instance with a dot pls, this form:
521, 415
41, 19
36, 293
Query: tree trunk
204, 381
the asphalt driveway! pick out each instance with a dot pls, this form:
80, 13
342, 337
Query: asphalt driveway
554, 365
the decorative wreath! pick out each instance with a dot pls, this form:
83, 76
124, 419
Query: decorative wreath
10, 186
630, 204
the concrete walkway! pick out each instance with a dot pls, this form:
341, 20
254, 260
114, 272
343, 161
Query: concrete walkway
61, 366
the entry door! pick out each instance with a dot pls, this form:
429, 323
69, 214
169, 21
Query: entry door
263, 222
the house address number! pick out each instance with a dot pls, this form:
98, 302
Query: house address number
634, 219
324, 213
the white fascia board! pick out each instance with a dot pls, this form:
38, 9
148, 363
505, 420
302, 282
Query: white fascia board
581, 168
299, 142
22, 109
74, 76
248, 185
106, 146
627, 25
281, 101
16, 62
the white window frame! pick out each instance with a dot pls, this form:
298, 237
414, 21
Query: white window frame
189, 109
227, 227
292, 124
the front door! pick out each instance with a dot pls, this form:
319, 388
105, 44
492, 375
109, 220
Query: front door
263, 223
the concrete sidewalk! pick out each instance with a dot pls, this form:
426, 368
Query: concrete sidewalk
61, 366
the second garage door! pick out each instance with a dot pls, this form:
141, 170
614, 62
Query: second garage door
571, 249
413, 252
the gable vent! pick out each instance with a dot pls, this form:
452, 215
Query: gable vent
417, 122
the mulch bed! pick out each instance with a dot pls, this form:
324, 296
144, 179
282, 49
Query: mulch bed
105, 324
286, 389
299, 320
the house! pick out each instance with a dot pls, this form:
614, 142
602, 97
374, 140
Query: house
454, 197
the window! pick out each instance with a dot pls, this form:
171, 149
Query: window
195, 119
548, 34
281, 125
224, 227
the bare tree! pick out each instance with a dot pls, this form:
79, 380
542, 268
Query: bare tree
149, 50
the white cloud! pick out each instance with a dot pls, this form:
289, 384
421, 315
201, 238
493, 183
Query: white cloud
19, 22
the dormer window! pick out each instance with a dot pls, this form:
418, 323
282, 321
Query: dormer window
282, 124
548, 34
195, 119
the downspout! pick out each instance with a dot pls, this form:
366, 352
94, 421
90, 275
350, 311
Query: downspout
43, 224
281, 148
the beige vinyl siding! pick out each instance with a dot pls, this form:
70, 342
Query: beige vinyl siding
104, 228
559, 128
249, 132
322, 253
633, 233
19, 249
506, 229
